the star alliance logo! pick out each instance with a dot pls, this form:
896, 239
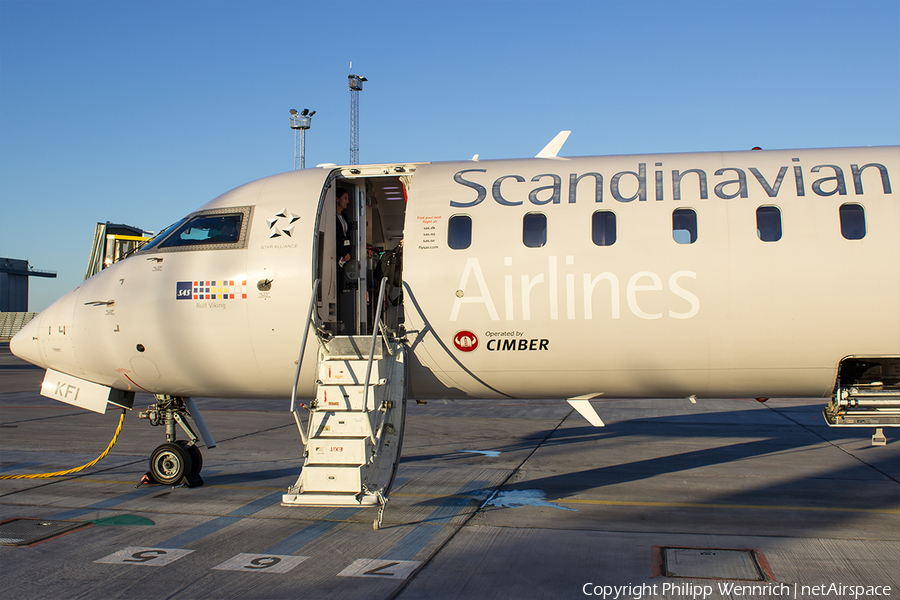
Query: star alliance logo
275, 231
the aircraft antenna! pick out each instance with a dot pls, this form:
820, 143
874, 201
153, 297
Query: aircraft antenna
355, 83
300, 122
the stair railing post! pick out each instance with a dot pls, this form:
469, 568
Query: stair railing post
307, 323
375, 331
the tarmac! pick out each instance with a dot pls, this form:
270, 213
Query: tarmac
722, 498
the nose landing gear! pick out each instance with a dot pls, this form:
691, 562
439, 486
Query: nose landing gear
170, 463
177, 462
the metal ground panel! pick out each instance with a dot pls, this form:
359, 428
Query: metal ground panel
711, 563
23, 532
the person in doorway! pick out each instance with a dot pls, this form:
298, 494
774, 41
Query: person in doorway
344, 253
343, 247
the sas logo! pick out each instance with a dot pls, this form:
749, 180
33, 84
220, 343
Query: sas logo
214, 289
184, 290
465, 341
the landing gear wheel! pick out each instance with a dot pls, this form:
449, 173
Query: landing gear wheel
192, 477
196, 456
169, 463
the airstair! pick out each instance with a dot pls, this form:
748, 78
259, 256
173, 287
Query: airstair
355, 428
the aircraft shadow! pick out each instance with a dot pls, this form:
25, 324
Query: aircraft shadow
868, 483
250, 476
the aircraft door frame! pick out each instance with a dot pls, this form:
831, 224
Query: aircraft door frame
325, 256
361, 293
369, 206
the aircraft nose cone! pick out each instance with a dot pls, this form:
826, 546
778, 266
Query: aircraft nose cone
25, 344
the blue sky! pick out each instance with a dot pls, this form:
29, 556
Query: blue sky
139, 112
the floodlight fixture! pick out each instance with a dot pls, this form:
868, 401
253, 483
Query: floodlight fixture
300, 122
355, 82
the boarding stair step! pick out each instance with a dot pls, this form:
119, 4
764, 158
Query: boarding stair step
339, 451
313, 499
352, 347
349, 372
337, 424
347, 397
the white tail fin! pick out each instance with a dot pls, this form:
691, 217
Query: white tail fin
552, 149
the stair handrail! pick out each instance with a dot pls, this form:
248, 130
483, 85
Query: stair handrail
385, 331
307, 323
380, 423
375, 332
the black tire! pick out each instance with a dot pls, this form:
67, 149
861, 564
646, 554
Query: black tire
194, 453
169, 463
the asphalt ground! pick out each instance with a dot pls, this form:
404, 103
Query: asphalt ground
493, 499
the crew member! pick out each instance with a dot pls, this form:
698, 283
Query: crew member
344, 253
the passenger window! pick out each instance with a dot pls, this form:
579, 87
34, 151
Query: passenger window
853, 221
459, 232
534, 230
603, 228
684, 226
768, 223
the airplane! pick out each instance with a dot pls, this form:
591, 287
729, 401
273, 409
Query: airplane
700, 275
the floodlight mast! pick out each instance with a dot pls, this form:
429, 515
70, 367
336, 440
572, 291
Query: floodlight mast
300, 122
355, 83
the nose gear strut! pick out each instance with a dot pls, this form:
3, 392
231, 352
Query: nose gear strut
177, 461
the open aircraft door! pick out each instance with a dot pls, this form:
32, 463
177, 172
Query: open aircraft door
289, 248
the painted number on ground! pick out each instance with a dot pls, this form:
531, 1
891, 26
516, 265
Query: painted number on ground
261, 563
380, 568
147, 557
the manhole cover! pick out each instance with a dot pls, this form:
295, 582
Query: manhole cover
21, 532
711, 563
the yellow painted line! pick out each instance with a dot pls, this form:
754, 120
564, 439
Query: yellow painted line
432, 496
226, 487
406, 495
876, 511
247, 487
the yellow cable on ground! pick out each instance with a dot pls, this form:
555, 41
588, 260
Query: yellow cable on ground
81, 468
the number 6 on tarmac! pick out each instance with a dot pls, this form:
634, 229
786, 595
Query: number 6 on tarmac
261, 563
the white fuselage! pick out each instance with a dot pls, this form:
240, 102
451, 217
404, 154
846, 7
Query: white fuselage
544, 301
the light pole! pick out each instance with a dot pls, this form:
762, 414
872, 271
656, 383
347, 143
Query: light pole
300, 122
355, 83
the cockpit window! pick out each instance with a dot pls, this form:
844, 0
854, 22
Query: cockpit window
207, 229
155, 240
219, 229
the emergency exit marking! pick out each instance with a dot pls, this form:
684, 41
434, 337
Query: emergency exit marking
261, 563
380, 568
147, 557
